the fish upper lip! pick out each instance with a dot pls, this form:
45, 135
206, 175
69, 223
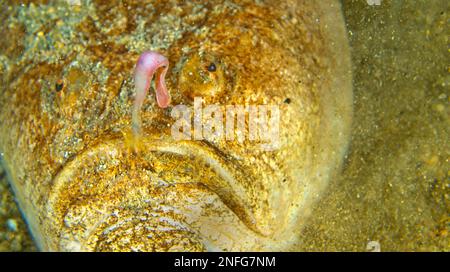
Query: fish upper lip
231, 190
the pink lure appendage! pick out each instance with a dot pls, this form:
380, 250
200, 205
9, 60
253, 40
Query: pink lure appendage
148, 64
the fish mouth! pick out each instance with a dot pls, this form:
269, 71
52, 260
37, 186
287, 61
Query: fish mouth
209, 168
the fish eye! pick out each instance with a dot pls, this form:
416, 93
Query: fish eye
212, 67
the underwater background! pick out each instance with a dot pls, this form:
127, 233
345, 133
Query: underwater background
394, 187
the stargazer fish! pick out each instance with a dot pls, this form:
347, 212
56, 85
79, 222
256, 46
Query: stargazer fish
85, 180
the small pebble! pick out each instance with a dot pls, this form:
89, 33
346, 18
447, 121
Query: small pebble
373, 246
442, 96
439, 107
11, 224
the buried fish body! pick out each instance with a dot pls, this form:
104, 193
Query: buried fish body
81, 187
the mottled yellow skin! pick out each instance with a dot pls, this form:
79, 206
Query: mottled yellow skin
85, 184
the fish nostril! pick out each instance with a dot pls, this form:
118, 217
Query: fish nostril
59, 85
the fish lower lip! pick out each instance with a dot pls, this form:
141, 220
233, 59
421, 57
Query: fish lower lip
226, 184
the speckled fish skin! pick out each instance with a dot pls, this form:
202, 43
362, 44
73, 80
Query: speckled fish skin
80, 185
